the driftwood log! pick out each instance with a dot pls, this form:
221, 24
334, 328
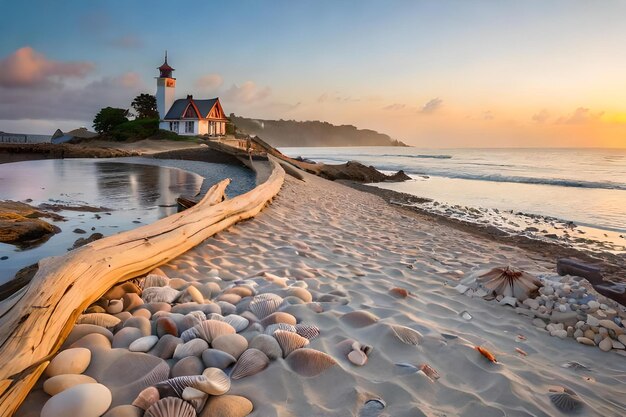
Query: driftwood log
35, 321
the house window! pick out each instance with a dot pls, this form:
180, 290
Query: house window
188, 127
174, 126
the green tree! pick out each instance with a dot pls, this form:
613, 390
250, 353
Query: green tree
109, 117
146, 106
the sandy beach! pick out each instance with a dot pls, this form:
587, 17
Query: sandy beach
348, 249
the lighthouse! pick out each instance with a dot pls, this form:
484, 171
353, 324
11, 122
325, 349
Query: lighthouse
166, 88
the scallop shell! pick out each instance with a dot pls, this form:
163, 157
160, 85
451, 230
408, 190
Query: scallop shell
99, 319
307, 330
508, 281
194, 318
194, 347
359, 318
174, 387
289, 341
429, 371
567, 402
250, 362
159, 294
208, 330
153, 280
279, 317
483, 351
239, 323
268, 345
309, 362
279, 326
214, 358
146, 398
219, 382
171, 407
233, 344
264, 306
407, 335
195, 397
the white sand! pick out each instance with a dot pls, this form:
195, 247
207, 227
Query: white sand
362, 247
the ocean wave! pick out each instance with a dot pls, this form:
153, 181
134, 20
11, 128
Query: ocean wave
423, 156
607, 185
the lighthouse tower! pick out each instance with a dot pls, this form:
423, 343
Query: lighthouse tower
166, 86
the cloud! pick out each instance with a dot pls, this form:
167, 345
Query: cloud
432, 106
395, 107
27, 68
247, 93
488, 115
335, 98
580, 116
209, 82
70, 103
127, 42
541, 116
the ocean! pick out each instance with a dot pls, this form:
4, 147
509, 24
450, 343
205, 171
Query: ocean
574, 196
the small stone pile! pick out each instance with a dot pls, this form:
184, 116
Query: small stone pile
565, 306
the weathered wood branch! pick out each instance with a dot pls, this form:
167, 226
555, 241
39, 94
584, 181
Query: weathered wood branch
36, 320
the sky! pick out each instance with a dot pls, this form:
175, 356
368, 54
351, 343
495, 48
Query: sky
440, 73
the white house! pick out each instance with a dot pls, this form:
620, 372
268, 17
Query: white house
187, 116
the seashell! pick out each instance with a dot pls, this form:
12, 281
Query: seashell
407, 335
307, 330
153, 280
174, 387
521, 352
165, 325
195, 397
208, 330
510, 282
171, 407
521, 337
408, 366
165, 347
239, 323
575, 366
226, 308
188, 366
483, 351
159, 294
372, 408
219, 382
309, 362
264, 306
194, 318
268, 345
279, 326
215, 316
429, 371
115, 307
279, 317
227, 406
567, 402
399, 292
357, 357
289, 341
186, 308
359, 318
194, 347
143, 344
147, 398
466, 315
214, 358
250, 362
268, 296
233, 344
99, 319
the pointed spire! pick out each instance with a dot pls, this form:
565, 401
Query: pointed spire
165, 69
166, 56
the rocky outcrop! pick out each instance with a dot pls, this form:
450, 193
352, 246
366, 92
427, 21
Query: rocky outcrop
27, 151
20, 224
356, 171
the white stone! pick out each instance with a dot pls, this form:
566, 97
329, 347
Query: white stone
585, 341
461, 288
562, 334
69, 361
592, 321
531, 303
547, 290
143, 344
84, 400
512, 301
357, 357
606, 344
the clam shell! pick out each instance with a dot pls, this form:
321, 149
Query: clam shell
146, 398
407, 335
214, 358
195, 397
194, 318
233, 344
159, 294
239, 323
250, 362
175, 386
566, 402
359, 318
309, 362
194, 347
429, 371
268, 345
263, 307
307, 330
99, 319
219, 382
289, 341
153, 280
279, 317
279, 326
208, 330
171, 407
